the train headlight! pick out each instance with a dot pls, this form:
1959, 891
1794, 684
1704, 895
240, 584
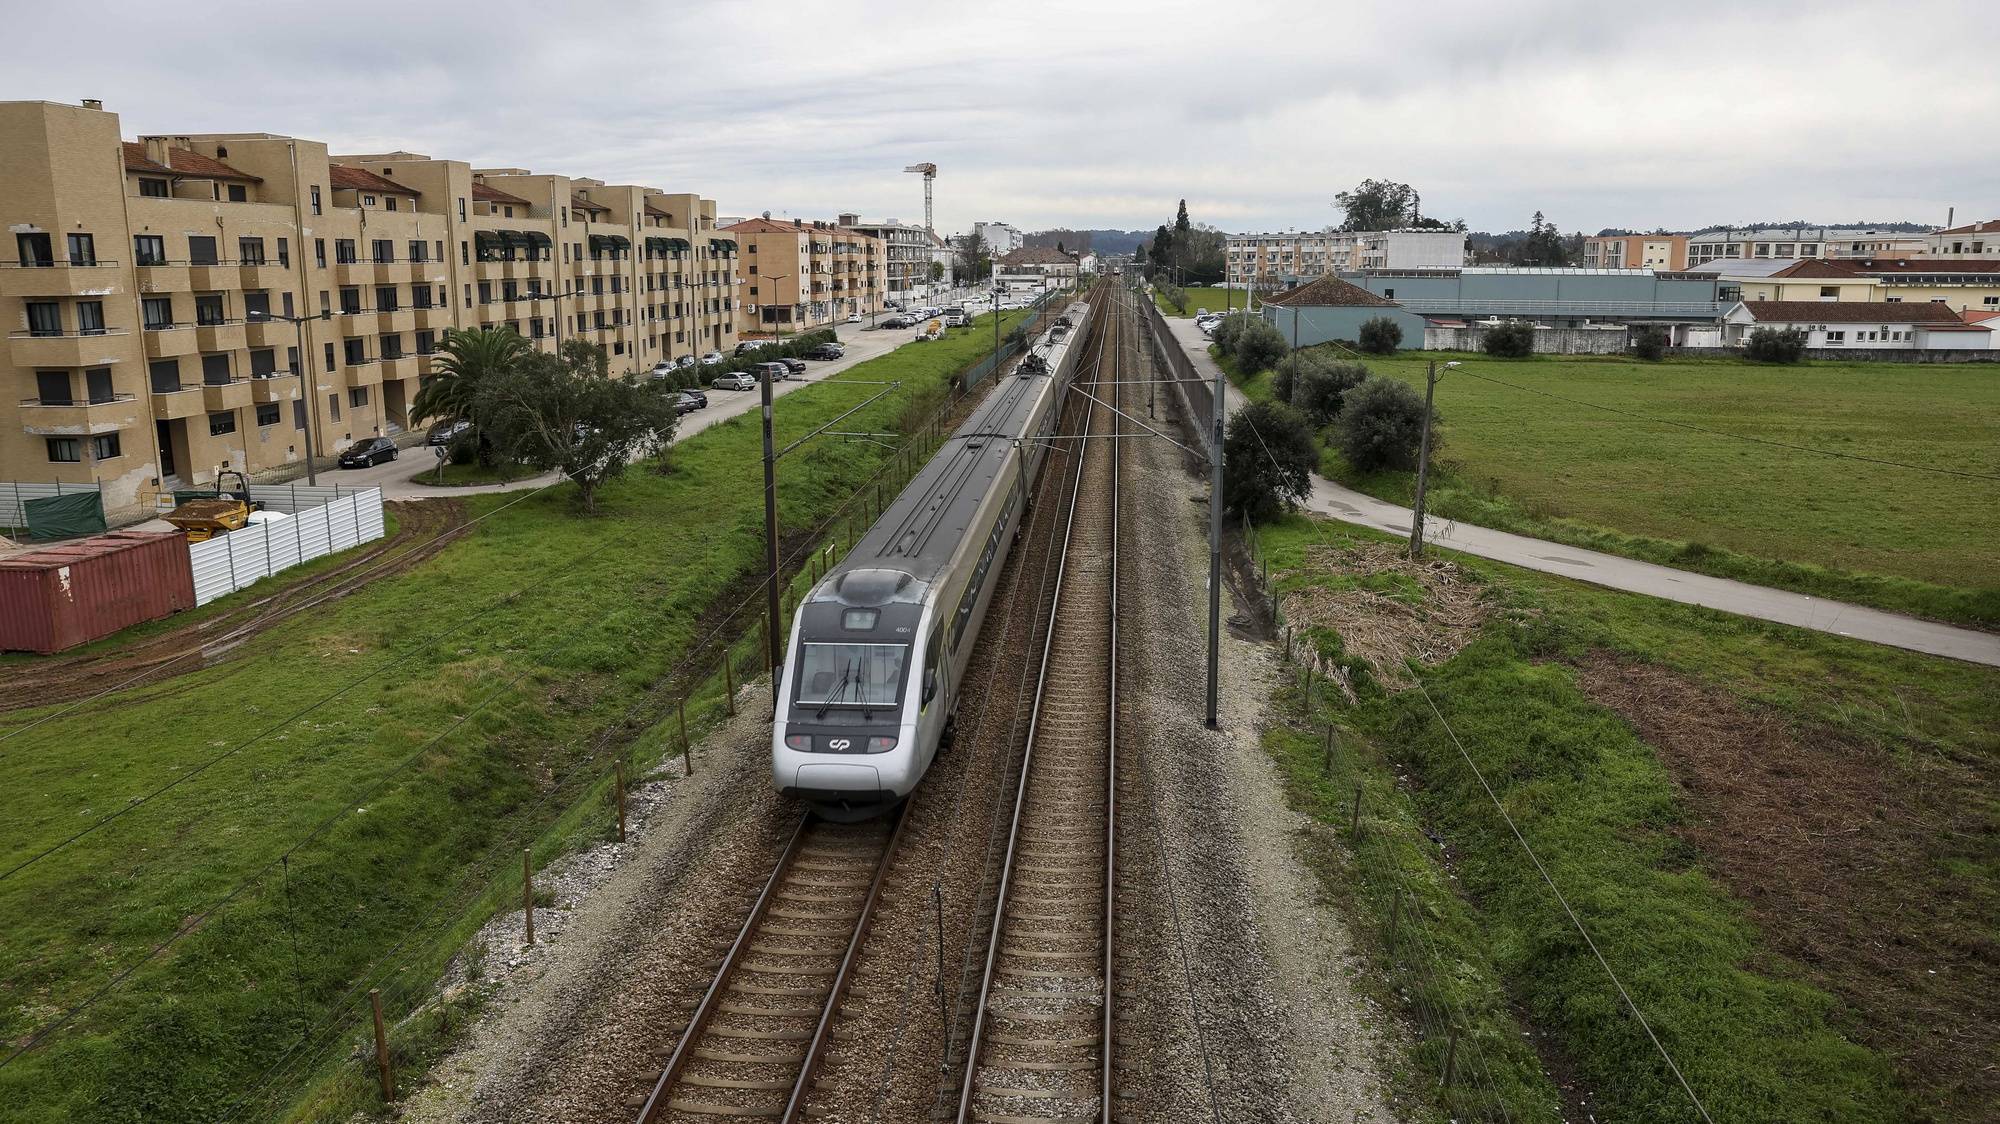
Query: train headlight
881, 744
801, 742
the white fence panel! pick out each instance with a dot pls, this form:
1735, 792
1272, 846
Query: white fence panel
229, 562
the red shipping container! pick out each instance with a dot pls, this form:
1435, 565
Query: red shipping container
62, 596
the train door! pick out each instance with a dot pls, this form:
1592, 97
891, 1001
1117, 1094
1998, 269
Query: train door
937, 694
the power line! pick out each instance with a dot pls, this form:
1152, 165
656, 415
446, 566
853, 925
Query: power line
1564, 902
1737, 436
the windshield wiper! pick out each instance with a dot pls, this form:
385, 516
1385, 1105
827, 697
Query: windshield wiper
834, 695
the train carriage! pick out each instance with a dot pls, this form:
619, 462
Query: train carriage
878, 648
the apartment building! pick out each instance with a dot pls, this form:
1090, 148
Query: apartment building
800, 275
1636, 251
906, 255
1785, 242
1000, 238
1273, 261
1960, 284
1974, 240
180, 303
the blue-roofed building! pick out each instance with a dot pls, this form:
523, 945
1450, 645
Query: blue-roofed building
1553, 296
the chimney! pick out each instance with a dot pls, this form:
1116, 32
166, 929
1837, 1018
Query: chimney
92, 103
156, 150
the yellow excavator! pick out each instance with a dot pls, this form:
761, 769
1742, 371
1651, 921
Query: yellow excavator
208, 514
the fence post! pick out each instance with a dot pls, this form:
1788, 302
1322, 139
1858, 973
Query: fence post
528, 891
621, 801
729, 679
1450, 1054
229, 551
382, 1070
1395, 915
1354, 821
354, 509
687, 748
1331, 742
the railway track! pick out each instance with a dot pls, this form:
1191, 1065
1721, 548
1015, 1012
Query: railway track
1043, 1036
755, 1041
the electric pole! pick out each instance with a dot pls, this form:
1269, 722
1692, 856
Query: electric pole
772, 626
1424, 462
1214, 545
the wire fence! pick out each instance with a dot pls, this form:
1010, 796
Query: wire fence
423, 931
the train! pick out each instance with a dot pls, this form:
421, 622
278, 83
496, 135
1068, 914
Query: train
878, 648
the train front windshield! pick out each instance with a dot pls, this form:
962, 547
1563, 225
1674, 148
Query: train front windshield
851, 675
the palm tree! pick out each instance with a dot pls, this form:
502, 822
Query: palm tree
467, 360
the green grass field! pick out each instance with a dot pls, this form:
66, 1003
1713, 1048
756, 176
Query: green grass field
1212, 299
1838, 1001
542, 631
1914, 541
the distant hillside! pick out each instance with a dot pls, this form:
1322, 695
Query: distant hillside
1102, 241
1894, 227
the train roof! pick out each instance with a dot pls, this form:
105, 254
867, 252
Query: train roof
923, 527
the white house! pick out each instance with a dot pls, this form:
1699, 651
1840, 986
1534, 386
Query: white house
1863, 324
1039, 267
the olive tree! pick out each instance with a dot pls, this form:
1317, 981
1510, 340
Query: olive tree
1513, 340
1323, 389
1381, 336
1776, 345
1381, 424
1268, 455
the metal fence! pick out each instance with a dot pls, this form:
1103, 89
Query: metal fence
229, 562
1196, 397
14, 496
978, 372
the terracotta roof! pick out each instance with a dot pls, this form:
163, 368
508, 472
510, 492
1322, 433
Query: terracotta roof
1854, 312
1979, 315
1037, 255
186, 162
1886, 267
1330, 292
1990, 226
485, 194
771, 226
361, 179
580, 203
657, 213
1816, 267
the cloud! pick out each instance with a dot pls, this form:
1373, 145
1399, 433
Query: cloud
1098, 114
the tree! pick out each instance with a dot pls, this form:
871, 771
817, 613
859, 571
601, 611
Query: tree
1544, 245
1160, 254
1268, 455
1774, 345
1228, 328
1258, 346
1322, 388
1513, 340
1381, 424
1386, 205
975, 259
937, 271
467, 360
1381, 336
1650, 343
569, 414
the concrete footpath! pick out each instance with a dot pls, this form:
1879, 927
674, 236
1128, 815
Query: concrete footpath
1613, 572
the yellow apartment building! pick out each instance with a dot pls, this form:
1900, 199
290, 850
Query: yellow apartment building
798, 275
1965, 285
179, 303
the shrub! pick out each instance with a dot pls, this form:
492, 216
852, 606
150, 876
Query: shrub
1321, 390
1773, 345
1513, 340
1268, 456
1381, 336
1258, 347
1175, 296
1230, 327
1381, 425
1650, 343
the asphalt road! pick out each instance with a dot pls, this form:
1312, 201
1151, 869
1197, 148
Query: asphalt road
1609, 570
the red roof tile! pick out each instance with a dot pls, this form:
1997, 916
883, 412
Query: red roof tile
1990, 226
1816, 267
485, 194
186, 162
361, 179
580, 203
1329, 292
1889, 267
1854, 312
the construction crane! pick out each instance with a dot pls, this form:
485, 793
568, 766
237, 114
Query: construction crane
929, 172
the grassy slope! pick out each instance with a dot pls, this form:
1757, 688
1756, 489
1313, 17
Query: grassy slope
1908, 541
589, 610
1212, 299
1754, 1038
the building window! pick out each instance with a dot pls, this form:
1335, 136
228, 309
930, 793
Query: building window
350, 301
1826, 291
149, 249
34, 250
52, 388
392, 346
329, 361
267, 413
391, 202
333, 406
201, 250
153, 189
250, 251
385, 298
315, 199
105, 447
208, 309
357, 397
219, 424
82, 249
166, 375
44, 318
90, 318
284, 251
65, 450
257, 305
291, 311
343, 251
263, 363
461, 208
298, 413
417, 250
385, 250
238, 193
368, 200
356, 352
425, 341
215, 369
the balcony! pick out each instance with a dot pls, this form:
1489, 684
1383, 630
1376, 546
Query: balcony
60, 279
431, 317
402, 367
354, 272
264, 332
177, 402
396, 320
67, 349
264, 275
165, 277
169, 341
222, 335
280, 385
220, 396
208, 276
75, 418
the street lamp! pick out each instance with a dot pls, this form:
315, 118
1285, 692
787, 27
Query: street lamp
306, 395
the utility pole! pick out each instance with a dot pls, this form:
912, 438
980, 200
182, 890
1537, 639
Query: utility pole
1214, 546
1424, 462
771, 631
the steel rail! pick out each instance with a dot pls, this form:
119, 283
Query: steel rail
1111, 742
975, 1041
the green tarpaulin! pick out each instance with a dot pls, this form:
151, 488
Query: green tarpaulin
65, 517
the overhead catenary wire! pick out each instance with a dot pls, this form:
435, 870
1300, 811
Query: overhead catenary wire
1576, 921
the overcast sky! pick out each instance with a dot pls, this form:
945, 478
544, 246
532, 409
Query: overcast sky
1100, 114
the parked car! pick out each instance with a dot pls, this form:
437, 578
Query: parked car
794, 366
700, 399
824, 351
710, 359
854, 318
684, 362
956, 318
368, 451
735, 380
897, 322
776, 372
748, 347
447, 431
684, 404
662, 369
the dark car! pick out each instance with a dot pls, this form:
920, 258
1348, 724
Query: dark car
795, 366
699, 399
825, 351
684, 403
447, 431
368, 451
